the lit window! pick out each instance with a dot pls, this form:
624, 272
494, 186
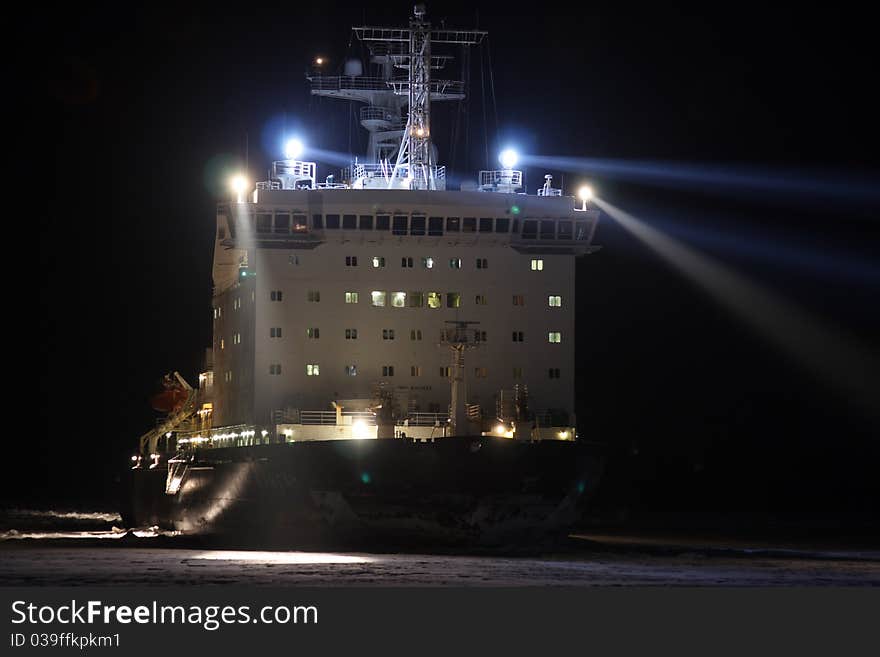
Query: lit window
415, 370
275, 332
517, 372
388, 370
351, 297
428, 263
236, 303
554, 301
480, 300
222, 343
445, 372
415, 334
455, 263
236, 338
398, 299
416, 299
387, 334
275, 369
518, 336
537, 264
313, 333
378, 298
519, 300
351, 261
554, 336
406, 262
312, 369
351, 334
314, 296
275, 295
482, 263
351, 370
378, 261
453, 300
481, 372
435, 299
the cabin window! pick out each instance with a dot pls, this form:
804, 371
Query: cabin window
415, 370
314, 296
274, 369
537, 264
275, 332
554, 372
351, 334
455, 263
313, 333
453, 300
435, 299
351, 297
482, 263
351, 370
554, 301
398, 299
388, 370
313, 369
378, 262
555, 337
387, 334
519, 300
406, 262
518, 336
428, 263
416, 300
351, 261
378, 298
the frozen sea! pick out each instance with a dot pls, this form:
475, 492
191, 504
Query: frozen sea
88, 548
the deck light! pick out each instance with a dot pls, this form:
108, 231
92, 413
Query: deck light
293, 149
508, 158
239, 184
585, 193
319, 60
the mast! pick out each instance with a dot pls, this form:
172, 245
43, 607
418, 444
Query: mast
457, 339
411, 48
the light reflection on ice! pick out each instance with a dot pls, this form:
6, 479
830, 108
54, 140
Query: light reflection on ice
281, 557
115, 533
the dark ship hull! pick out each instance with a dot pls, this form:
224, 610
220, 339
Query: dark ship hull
475, 491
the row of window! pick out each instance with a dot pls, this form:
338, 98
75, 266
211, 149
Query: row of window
389, 334
381, 298
418, 225
314, 369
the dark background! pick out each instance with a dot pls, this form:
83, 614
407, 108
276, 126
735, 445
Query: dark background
126, 121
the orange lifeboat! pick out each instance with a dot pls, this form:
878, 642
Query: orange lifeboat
171, 399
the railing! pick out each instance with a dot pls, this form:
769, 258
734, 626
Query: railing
427, 419
346, 82
549, 191
317, 417
380, 114
438, 87
386, 170
502, 180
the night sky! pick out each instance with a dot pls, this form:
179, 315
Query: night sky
126, 122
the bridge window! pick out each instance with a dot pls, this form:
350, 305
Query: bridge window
317, 222
264, 223
469, 225
332, 221
485, 224
366, 222
282, 223
453, 224
435, 226
548, 229
399, 227
383, 222
349, 221
530, 229
417, 225
564, 229
502, 225
300, 225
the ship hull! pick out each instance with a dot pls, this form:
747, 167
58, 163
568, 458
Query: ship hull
479, 491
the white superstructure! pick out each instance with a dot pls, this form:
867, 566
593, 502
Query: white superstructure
333, 301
